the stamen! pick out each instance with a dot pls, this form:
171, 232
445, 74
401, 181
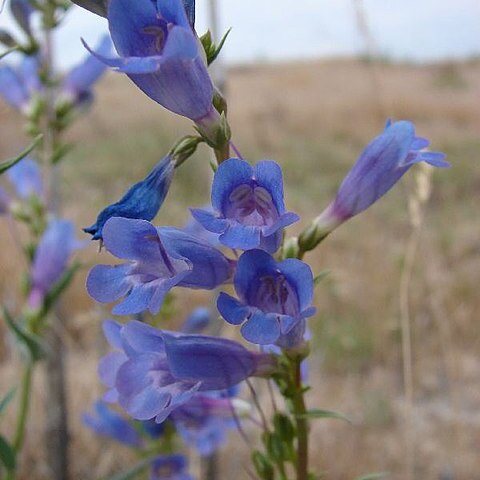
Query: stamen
159, 34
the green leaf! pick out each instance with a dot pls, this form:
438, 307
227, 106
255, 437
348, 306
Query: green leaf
4, 166
31, 342
7, 454
8, 51
373, 476
316, 413
6, 400
134, 471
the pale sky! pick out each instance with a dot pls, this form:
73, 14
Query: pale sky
276, 30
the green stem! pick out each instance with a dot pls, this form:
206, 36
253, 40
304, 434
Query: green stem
301, 420
24, 404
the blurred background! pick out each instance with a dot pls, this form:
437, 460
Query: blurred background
309, 83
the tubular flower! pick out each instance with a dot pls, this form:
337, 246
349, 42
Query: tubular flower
78, 83
107, 423
380, 166
142, 201
249, 206
161, 54
26, 178
51, 259
170, 467
158, 259
274, 298
161, 371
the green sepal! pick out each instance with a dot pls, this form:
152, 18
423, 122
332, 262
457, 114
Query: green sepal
4, 166
263, 466
316, 413
60, 152
7, 454
5, 401
31, 343
7, 40
211, 49
284, 426
185, 148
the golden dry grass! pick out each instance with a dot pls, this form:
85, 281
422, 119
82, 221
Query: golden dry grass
314, 119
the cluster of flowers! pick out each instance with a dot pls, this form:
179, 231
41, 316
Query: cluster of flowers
165, 376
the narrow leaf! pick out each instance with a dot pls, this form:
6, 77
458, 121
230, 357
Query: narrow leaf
4, 166
134, 471
7, 454
59, 287
373, 476
316, 413
320, 277
8, 51
6, 400
31, 342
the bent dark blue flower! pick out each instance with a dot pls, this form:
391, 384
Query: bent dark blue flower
380, 166
249, 205
158, 260
274, 298
142, 201
161, 54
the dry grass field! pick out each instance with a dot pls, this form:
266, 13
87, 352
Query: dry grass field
314, 119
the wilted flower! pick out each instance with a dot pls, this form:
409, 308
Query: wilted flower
156, 372
26, 178
380, 166
159, 259
160, 52
249, 206
275, 298
142, 201
51, 259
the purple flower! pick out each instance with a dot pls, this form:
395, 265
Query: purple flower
380, 166
197, 321
162, 371
22, 11
142, 201
51, 259
197, 230
107, 423
250, 211
170, 467
26, 178
204, 421
19, 86
159, 259
275, 298
78, 83
161, 54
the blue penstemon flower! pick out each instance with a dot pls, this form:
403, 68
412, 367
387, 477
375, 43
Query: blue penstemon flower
249, 206
153, 372
160, 52
380, 166
142, 201
158, 259
274, 299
